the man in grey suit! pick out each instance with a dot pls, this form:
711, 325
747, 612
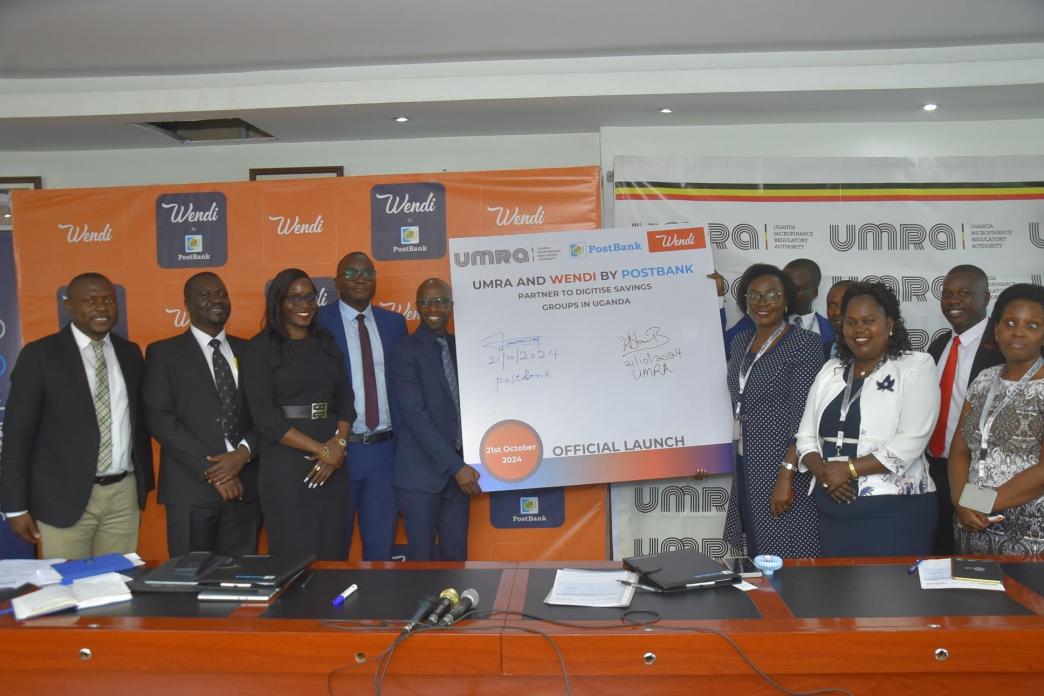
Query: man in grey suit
432, 482
198, 412
76, 463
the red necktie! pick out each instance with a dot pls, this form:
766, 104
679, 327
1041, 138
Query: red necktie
937, 445
369, 378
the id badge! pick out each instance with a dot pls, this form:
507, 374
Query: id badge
978, 498
737, 435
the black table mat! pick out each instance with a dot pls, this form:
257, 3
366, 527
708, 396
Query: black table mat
390, 595
1029, 574
880, 591
715, 603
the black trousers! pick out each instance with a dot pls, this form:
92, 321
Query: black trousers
943, 544
225, 529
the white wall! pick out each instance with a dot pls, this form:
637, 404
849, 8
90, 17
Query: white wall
202, 163
915, 139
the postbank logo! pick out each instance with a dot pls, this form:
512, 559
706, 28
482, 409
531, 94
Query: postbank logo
577, 250
529, 505
191, 229
408, 221
678, 239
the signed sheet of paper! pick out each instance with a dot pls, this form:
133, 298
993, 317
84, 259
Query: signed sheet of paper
588, 357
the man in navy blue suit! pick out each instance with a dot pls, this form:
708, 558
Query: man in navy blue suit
432, 482
366, 334
806, 276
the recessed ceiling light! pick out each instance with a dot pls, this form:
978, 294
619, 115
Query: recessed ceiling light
402, 119
7, 215
930, 107
666, 110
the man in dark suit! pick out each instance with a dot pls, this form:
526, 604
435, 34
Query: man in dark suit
366, 334
197, 411
960, 355
432, 482
76, 464
806, 276
833, 306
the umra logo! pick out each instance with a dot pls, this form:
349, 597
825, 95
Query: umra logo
880, 236
1034, 235
681, 499
715, 548
744, 236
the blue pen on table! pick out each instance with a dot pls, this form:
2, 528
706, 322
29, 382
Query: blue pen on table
339, 599
911, 569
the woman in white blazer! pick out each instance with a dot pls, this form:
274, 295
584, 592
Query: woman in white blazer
872, 487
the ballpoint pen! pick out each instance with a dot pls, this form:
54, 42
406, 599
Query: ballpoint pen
911, 569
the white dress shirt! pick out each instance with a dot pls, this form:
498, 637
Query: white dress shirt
351, 335
204, 339
118, 404
807, 322
970, 340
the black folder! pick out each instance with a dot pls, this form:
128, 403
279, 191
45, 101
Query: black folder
684, 569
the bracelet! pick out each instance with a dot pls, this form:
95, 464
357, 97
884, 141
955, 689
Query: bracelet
788, 466
851, 468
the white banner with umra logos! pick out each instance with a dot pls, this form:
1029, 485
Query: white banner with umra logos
905, 222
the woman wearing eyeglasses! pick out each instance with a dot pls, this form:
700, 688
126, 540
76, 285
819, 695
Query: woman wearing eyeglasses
869, 416
302, 403
769, 376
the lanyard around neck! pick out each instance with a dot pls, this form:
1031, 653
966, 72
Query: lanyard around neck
742, 377
986, 418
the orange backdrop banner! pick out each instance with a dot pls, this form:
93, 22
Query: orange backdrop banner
149, 239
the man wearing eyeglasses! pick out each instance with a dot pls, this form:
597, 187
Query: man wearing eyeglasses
365, 334
432, 482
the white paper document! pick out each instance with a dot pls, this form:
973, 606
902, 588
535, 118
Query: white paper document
592, 588
16, 572
95, 591
935, 574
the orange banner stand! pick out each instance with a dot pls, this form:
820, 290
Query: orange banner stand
149, 239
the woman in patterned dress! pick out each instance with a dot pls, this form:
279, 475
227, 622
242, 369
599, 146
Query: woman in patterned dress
1014, 461
773, 366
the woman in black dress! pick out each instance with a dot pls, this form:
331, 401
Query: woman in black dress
302, 405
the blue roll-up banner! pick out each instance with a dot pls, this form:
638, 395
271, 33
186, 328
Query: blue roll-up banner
10, 343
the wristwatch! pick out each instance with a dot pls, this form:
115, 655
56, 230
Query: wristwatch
789, 467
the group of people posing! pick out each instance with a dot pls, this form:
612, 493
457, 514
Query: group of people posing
327, 415
849, 443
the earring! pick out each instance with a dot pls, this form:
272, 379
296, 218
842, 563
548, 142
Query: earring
890, 332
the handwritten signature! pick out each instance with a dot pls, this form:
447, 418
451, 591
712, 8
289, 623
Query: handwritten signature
498, 342
646, 340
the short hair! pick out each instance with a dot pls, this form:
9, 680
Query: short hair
197, 277
432, 281
979, 274
85, 277
844, 282
899, 341
810, 266
354, 254
756, 271
1018, 291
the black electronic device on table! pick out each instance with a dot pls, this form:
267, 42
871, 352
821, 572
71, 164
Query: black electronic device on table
684, 569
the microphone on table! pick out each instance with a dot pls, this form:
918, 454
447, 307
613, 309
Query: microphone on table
446, 600
469, 599
423, 609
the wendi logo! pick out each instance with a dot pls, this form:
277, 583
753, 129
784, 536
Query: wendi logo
676, 239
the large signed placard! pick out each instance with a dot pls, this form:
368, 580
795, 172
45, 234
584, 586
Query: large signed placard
589, 357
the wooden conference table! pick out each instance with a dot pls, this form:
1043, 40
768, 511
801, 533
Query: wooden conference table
862, 625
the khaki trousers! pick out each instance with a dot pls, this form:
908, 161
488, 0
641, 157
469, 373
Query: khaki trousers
108, 525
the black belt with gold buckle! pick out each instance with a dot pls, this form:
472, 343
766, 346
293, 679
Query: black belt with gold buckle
316, 411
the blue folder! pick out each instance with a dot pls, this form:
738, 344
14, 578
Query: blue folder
85, 568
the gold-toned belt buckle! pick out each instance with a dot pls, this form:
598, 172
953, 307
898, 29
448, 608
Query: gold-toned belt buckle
318, 411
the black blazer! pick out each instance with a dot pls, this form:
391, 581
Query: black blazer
184, 415
50, 451
987, 355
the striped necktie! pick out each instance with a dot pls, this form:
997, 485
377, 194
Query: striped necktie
102, 408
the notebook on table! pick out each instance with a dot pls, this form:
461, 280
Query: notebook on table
685, 569
256, 571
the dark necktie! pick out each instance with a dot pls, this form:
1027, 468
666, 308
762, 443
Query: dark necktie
373, 418
451, 376
227, 392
